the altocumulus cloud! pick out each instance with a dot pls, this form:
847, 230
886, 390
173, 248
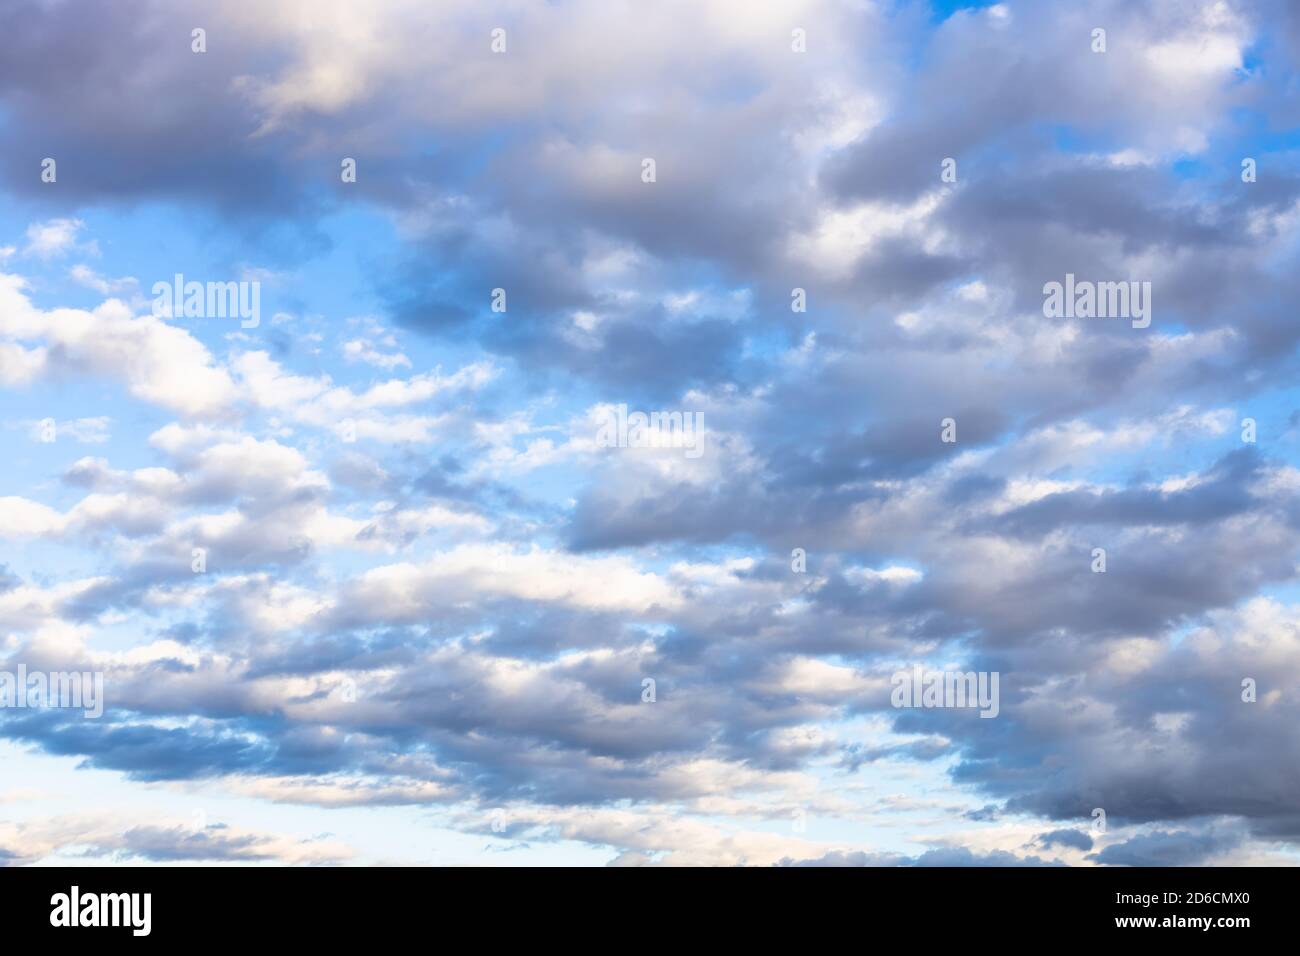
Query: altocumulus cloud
370, 553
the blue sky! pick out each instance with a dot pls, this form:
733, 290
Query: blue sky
430, 595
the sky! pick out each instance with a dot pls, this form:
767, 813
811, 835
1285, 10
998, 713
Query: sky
370, 579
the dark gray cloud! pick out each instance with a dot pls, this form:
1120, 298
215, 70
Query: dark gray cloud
1164, 848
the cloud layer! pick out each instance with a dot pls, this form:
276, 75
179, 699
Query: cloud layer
373, 555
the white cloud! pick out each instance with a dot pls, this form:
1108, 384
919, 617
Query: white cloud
84, 275
411, 591
52, 238
156, 362
363, 350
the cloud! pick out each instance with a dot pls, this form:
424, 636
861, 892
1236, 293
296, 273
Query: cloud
84, 275
1165, 848
54, 237
1071, 838
428, 586
157, 362
945, 857
124, 838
